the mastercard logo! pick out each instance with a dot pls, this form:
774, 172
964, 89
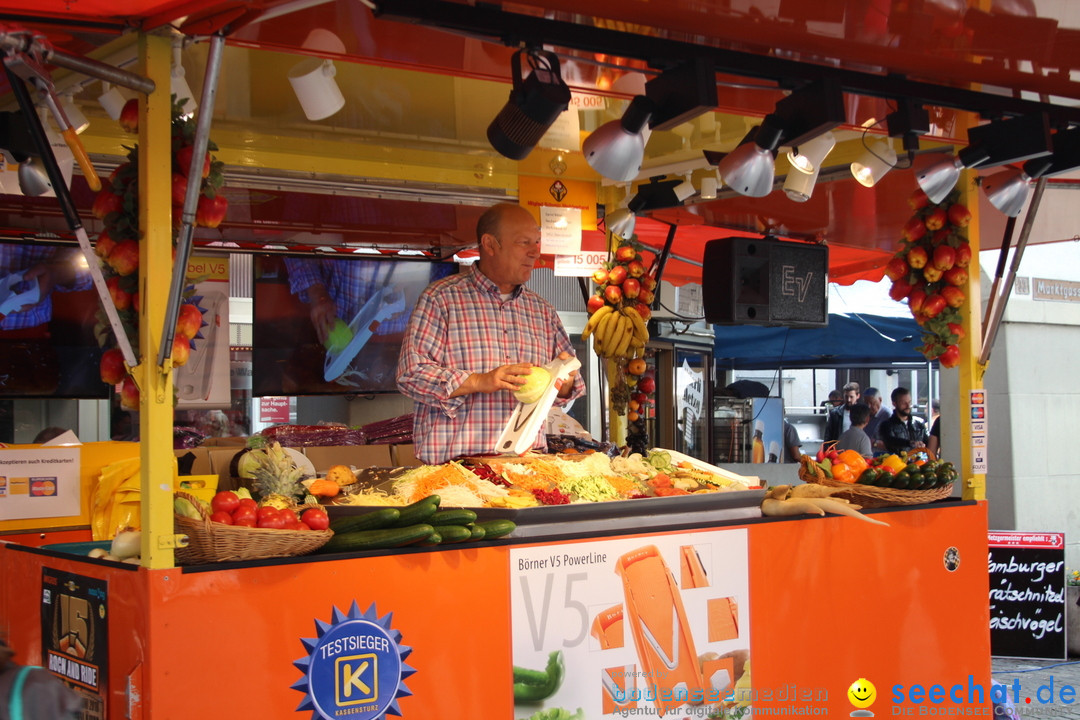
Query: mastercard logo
42, 487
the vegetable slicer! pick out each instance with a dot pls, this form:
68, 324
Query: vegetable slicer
525, 422
14, 296
657, 619
384, 304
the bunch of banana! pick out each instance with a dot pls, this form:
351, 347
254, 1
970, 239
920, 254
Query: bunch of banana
616, 332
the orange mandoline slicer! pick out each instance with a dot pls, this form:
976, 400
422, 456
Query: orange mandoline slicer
691, 570
657, 620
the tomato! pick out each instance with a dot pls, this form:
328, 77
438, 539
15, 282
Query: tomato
274, 522
302, 526
222, 517
267, 511
288, 516
225, 501
293, 525
315, 518
243, 514
250, 503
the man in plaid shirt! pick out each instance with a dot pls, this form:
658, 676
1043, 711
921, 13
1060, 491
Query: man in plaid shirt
473, 337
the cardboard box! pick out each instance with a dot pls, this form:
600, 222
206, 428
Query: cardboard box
201, 463
220, 460
357, 456
404, 455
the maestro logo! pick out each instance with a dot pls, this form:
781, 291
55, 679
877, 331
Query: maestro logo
862, 695
355, 667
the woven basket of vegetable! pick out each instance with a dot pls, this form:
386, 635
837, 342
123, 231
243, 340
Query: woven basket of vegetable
216, 542
869, 496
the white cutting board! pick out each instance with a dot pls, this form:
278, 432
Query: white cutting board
524, 425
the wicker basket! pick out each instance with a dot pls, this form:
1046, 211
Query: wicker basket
216, 542
871, 496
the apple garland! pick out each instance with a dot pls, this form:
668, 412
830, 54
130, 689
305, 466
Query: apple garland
929, 272
117, 206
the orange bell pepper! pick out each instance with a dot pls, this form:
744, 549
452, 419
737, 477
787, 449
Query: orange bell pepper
843, 473
853, 460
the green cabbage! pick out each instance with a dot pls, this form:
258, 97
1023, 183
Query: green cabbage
535, 383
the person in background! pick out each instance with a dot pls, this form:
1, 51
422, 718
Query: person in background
47, 434
474, 337
902, 431
855, 437
933, 442
836, 399
840, 417
872, 397
33, 693
792, 443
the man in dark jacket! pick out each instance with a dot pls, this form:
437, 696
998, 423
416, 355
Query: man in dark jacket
902, 431
40, 694
840, 418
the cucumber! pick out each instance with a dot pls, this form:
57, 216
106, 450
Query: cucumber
454, 533
418, 512
433, 539
377, 539
478, 532
374, 520
497, 528
457, 516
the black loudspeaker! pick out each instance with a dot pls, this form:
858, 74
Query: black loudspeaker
745, 281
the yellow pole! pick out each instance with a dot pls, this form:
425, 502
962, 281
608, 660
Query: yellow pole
971, 372
155, 263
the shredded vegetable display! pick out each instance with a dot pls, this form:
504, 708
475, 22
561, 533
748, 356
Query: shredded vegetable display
454, 483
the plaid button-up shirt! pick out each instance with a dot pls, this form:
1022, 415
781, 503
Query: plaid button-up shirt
460, 326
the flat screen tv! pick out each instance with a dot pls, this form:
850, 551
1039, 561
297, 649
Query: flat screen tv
48, 309
370, 301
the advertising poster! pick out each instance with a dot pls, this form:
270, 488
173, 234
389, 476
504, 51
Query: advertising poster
203, 381
42, 483
75, 635
1027, 594
650, 627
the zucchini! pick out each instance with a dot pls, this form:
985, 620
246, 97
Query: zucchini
374, 520
377, 539
497, 528
457, 516
418, 512
454, 533
478, 532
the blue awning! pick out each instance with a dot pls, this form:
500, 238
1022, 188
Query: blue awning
847, 341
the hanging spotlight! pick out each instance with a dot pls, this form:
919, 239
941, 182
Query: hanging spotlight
938, 179
616, 148
809, 156
750, 168
178, 85
1008, 190
799, 186
709, 185
621, 223
878, 159
659, 194
112, 101
534, 105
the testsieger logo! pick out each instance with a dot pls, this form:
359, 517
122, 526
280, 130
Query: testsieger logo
942, 700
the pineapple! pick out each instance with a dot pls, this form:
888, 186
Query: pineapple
276, 478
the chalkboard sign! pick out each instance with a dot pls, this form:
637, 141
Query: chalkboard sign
1027, 595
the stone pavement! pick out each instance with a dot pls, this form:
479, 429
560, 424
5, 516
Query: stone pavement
1036, 677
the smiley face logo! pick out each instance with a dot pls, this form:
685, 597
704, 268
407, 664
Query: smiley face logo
862, 693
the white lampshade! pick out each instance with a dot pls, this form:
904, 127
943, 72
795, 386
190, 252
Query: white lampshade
74, 114
1007, 190
878, 159
799, 186
709, 186
180, 88
113, 101
313, 82
809, 156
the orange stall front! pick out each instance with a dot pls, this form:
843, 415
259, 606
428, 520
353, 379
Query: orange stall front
786, 615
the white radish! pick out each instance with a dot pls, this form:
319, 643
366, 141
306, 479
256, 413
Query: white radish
840, 508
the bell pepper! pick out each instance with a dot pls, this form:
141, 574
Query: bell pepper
853, 460
843, 473
893, 463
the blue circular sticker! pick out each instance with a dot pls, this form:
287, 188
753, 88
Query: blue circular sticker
355, 669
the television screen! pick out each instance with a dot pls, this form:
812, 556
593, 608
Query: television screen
48, 308
332, 325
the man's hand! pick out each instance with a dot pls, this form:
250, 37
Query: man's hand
504, 377
323, 311
566, 386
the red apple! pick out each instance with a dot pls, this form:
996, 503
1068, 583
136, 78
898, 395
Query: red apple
189, 320
644, 311
916, 300
953, 296
931, 274
950, 358
124, 258
913, 229
900, 290
104, 244
211, 210
129, 394
944, 257
625, 253
179, 189
613, 294
648, 282
129, 116
896, 268
941, 237
959, 215
183, 160
957, 330
113, 371
599, 276
106, 202
631, 287
647, 385
918, 200
963, 255
917, 257
594, 303
957, 276
646, 296
617, 274
122, 176
636, 268
120, 297
933, 305
936, 219
181, 349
